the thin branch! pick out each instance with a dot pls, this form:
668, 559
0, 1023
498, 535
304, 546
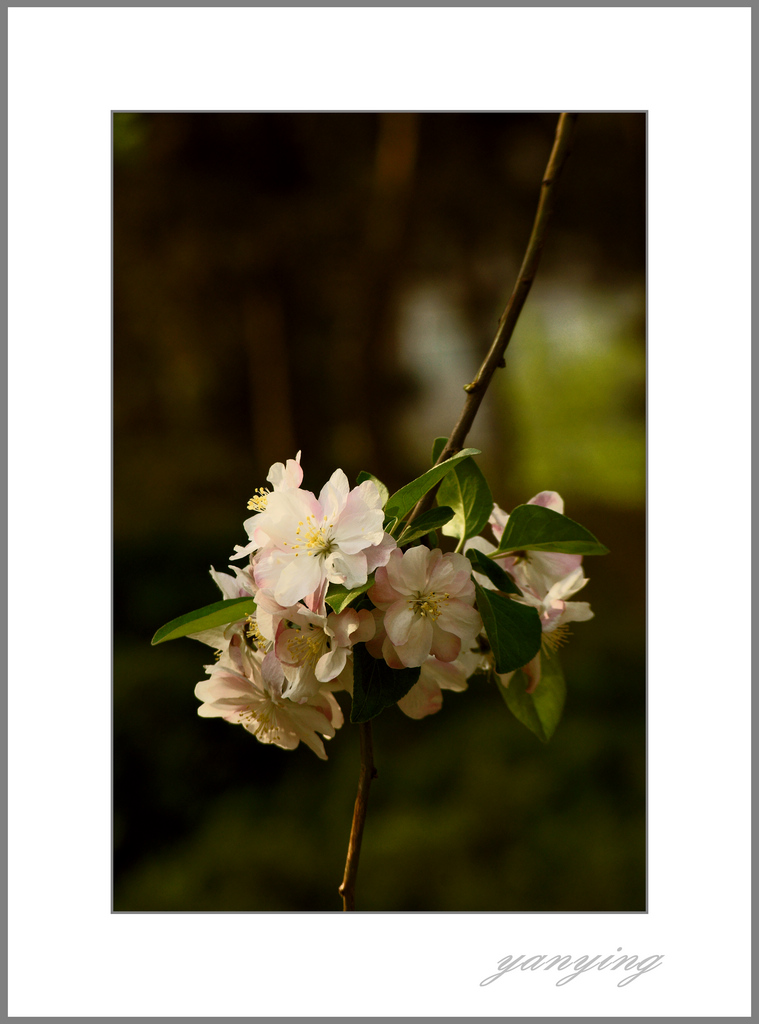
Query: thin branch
475, 393
495, 357
366, 774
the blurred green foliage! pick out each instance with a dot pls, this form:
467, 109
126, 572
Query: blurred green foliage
329, 282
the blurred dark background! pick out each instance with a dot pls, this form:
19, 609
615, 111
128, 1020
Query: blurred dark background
329, 282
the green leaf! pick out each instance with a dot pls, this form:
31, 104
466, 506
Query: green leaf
487, 567
384, 493
339, 597
513, 630
425, 523
536, 528
467, 493
540, 711
376, 686
217, 614
404, 500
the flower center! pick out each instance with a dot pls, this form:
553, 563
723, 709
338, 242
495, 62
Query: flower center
262, 720
307, 646
315, 538
429, 606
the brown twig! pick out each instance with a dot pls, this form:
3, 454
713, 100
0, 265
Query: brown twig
366, 774
495, 357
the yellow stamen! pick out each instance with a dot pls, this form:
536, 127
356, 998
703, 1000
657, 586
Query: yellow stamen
552, 641
258, 502
428, 605
251, 632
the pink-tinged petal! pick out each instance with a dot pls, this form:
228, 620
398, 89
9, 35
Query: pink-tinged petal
285, 510
286, 738
246, 584
445, 646
336, 713
375, 645
364, 495
331, 664
303, 616
241, 552
415, 566
552, 616
390, 654
424, 698
379, 554
532, 671
576, 611
227, 584
226, 685
417, 647
399, 619
315, 602
324, 701
358, 531
448, 675
218, 711
334, 495
342, 682
270, 615
395, 576
461, 586
232, 658
302, 576
289, 476
564, 588
383, 593
302, 683
553, 565
498, 519
215, 637
442, 574
366, 627
350, 570
289, 730
460, 618
272, 674
307, 716
269, 566
548, 499
289, 648
312, 740
343, 626
479, 544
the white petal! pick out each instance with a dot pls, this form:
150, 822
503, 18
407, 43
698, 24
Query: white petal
302, 576
549, 499
576, 611
461, 619
417, 647
424, 698
414, 568
333, 495
399, 618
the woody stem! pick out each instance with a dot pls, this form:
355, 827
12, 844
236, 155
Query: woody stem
367, 772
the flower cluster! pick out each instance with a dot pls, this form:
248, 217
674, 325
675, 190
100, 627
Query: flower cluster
278, 667
545, 580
